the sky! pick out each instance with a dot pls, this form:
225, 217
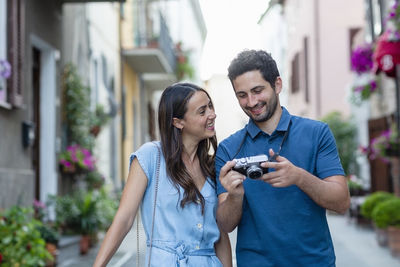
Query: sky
231, 27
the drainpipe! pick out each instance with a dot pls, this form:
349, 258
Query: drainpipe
317, 60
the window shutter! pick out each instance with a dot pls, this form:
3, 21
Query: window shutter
15, 50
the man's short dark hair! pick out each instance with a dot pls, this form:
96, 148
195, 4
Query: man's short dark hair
249, 60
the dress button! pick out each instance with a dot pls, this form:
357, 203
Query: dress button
199, 225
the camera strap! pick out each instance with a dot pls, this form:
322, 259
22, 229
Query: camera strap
280, 146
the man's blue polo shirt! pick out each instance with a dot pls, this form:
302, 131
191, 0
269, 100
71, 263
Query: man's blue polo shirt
283, 226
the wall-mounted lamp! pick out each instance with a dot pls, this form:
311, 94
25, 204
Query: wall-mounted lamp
28, 133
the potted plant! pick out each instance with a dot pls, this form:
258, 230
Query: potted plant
67, 213
362, 64
21, 243
5, 73
98, 119
367, 209
355, 186
94, 180
387, 215
76, 109
387, 52
344, 132
183, 69
89, 222
76, 159
51, 237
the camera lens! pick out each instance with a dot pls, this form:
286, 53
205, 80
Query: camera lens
254, 172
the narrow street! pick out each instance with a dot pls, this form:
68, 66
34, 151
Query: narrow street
354, 246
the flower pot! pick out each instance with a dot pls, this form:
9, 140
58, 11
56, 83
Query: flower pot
95, 130
84, 244
381, 235
52, 249
394, 240
395, 172
387, 55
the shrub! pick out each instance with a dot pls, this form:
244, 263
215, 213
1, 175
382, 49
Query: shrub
21, 243
344, 131
371, 202
387, 213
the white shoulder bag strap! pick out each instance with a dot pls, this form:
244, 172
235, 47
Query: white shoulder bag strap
154, 211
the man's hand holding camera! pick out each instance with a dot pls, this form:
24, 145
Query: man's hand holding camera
285, 173
231, 180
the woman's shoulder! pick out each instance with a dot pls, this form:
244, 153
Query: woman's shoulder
149, 147
146, 152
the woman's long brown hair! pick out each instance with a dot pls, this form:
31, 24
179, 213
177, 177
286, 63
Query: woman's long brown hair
173, 104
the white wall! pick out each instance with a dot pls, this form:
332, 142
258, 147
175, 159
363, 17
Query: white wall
230, 117
103, 21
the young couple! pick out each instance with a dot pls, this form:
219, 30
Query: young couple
200, 198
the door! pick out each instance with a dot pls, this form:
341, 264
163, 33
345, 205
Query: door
36, 55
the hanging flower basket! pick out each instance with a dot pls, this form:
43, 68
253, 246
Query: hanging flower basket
387, 55
387, 52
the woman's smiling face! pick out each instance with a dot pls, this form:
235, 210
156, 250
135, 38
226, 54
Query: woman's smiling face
198, 121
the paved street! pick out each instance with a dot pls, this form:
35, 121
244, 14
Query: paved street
357, 246
354, 246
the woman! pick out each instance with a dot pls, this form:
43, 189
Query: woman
185, 230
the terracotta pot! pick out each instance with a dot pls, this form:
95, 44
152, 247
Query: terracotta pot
52, 249
395, 172
95, 130
84, 244
394, 240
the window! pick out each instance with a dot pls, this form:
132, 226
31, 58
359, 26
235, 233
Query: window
306, 82
15, 50
295, 79
3, 48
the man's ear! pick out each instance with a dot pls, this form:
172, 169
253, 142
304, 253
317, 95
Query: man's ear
177, 123
278, 85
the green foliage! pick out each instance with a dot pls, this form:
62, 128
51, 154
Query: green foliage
21, 243
387, 213
76, 108
184, 70
107, 207
99, 117
84, 212
344, 132
49, 234
94, 180
367, 208
67, 213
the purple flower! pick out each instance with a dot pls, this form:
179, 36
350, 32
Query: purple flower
38, 204
373, 85
361, 59
5, 69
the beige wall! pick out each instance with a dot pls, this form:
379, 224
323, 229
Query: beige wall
131, 117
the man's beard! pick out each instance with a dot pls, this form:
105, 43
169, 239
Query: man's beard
269, 112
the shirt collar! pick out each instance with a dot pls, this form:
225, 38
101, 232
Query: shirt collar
283, 124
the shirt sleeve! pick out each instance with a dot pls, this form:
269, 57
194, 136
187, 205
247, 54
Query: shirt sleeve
328, 161
221, 158
147, 158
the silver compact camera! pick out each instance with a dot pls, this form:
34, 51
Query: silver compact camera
250, 166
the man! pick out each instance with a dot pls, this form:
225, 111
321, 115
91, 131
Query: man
281, 216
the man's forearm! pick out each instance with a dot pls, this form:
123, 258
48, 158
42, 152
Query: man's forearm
229, 212
330, 193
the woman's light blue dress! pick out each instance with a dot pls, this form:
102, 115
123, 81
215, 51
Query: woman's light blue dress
181, 237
